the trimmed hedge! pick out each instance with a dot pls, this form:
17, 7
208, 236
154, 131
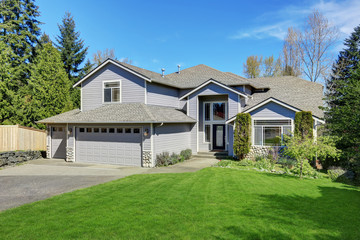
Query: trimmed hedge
242, 136
304, 124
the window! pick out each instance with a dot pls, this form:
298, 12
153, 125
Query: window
89, 130
60, 129
127, 130
104, 130
54, 129
215, 111
218, 111
111, 130
82, 129
96, 130
207, 133
136, 130
270, 132
119, 130
207, 111
112, 91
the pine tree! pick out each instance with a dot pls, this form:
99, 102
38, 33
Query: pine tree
47, 93
19, 29
343, 102
73, 53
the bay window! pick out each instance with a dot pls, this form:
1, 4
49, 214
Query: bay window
270, 132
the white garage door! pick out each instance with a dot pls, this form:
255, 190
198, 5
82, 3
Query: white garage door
58, 142
120, 146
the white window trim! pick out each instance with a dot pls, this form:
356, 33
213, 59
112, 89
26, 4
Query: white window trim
102, 89
211, 122
262, 131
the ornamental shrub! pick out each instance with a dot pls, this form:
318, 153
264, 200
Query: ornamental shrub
186, 154
163, 159
242, 130
304, 124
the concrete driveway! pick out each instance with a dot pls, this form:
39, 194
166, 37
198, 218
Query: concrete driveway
44, 178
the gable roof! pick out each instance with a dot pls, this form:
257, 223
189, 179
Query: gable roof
294, 91
188, 78
115, 63
194, 76
217, 83
123, 113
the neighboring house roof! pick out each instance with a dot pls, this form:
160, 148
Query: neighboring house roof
254, 107
123, 113
217, 83
294, 91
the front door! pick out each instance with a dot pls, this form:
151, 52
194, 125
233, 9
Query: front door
218, 136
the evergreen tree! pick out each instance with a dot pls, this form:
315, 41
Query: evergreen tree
47, 93
72, 48
343, 102
7, 95
19, 29
73, 54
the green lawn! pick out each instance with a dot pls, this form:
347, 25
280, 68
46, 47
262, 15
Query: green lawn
214, 203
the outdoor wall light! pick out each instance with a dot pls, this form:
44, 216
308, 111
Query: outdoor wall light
146, 132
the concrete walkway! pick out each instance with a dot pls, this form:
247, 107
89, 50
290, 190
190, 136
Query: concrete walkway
44, 178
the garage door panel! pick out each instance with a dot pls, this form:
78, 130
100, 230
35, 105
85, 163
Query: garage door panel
58, 143
109, 148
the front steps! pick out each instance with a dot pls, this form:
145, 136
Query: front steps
212, 155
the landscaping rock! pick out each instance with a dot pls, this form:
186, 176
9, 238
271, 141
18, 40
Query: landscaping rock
15, 157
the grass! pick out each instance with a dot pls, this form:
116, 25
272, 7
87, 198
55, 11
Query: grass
214, 203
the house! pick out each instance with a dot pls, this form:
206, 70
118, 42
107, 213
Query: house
128, 115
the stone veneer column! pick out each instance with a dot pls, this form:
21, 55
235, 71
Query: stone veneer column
147, 157
70, 154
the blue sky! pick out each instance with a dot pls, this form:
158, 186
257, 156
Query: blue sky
221, 34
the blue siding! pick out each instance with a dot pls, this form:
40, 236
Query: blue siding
272, 110
132, 87
162, 95
171, 138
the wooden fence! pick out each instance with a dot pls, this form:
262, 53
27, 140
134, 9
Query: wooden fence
16, 137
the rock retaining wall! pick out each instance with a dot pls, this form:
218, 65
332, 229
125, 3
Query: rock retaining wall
15, 157
260, 151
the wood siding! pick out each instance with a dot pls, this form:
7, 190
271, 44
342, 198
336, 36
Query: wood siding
162, 96
132, 87
272, 110
15, 137
171, 138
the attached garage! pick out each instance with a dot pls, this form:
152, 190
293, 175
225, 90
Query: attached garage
109, 145
58, 142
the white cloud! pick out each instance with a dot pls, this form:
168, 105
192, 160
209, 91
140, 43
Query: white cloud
154, 60
343, 14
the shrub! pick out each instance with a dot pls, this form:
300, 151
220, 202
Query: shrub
242, 130
338, 174
264, 164
246, 162
186, 154
304, 124
163, 159
307, 169
287, 162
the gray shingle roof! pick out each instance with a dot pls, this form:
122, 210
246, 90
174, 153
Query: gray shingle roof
193, 77
294, 91
123, 113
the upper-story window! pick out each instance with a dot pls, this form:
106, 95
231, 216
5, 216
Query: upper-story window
214, 111
111, 91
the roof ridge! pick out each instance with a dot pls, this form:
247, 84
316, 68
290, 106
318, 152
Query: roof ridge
148, 112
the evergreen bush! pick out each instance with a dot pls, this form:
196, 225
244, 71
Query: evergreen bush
304, 124
242, 136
